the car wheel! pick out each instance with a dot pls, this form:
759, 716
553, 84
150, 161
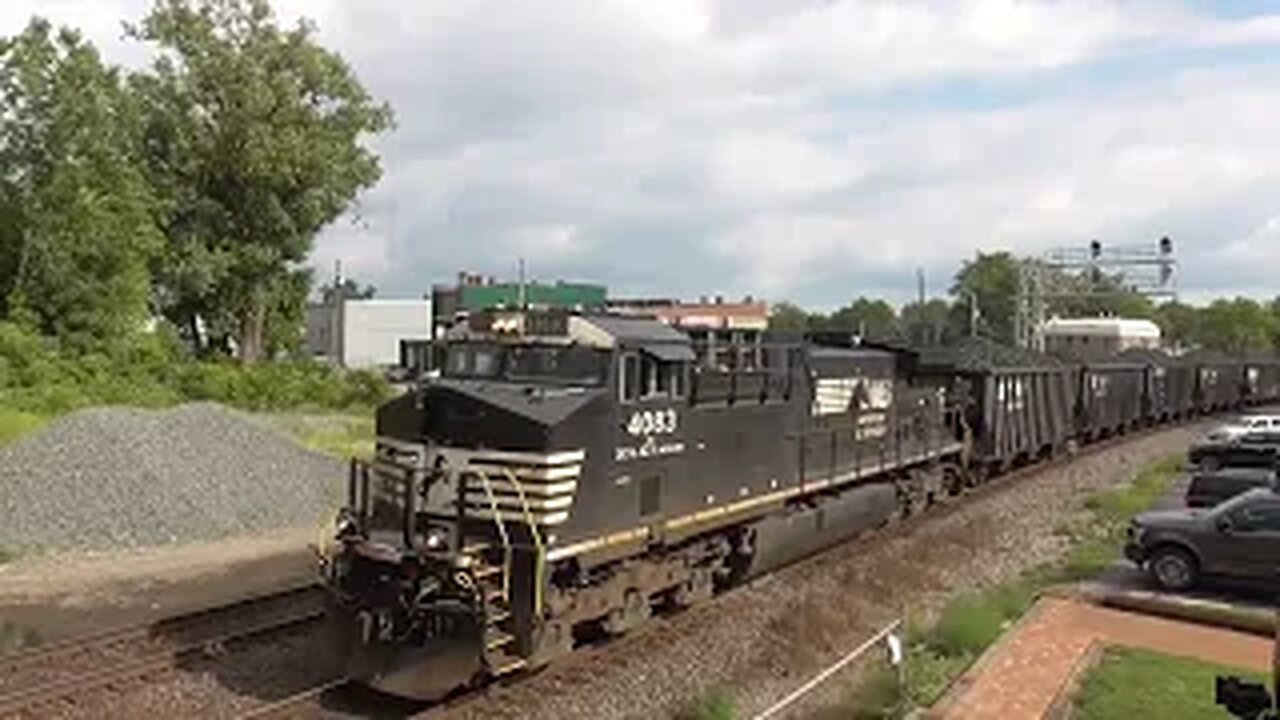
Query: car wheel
1173, 568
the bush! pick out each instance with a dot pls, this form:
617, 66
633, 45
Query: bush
150, 371
967, 626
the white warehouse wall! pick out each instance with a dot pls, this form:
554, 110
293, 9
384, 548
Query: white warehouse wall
372, 330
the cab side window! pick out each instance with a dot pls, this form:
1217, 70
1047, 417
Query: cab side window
629, 380
644, 377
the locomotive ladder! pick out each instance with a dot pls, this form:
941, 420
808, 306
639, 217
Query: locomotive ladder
497, 638
497, 605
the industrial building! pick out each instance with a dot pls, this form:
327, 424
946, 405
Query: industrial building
1083, 337
368, 333
714, 325
453, 304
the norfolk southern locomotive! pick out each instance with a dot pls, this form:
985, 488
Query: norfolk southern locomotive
548, 488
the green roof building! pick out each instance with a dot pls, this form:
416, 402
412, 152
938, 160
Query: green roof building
474, 294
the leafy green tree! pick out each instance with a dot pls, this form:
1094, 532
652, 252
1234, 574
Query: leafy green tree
286, 313
992, 281
1179, 324
77, 222
788, 317
928, 324
1274, 307
348, 290
1236, 326
254, 138
872, 319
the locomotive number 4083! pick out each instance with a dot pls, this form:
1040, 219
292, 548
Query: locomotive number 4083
652, 422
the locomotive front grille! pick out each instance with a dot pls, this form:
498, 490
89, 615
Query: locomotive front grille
521, 486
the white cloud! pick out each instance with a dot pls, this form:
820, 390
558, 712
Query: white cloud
807, 149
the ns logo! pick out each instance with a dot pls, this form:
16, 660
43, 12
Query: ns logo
652, 422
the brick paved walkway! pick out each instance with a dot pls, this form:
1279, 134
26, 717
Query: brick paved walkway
1020, 676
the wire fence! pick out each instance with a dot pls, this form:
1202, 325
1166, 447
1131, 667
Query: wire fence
889, 635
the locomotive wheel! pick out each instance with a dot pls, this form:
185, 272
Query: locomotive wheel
699, 587
633, 613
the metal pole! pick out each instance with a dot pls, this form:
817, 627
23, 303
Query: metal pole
521, 290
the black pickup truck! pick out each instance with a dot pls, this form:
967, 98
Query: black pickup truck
1252, 450
1210, 487
1239, 538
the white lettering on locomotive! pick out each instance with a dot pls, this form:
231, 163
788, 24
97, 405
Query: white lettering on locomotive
652, 422
650, 448
834, 396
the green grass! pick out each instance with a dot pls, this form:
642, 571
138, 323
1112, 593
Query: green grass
970, 622
16, 423
1130, 684
716, 705
1097, 540
345, 436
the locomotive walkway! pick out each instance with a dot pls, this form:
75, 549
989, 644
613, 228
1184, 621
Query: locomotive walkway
1022, 676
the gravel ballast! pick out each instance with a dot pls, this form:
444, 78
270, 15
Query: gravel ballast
107, 478
761, 642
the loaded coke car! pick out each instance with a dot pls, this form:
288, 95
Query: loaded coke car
1219, 381
1017, 405
1261, 378
1113, 399
1170, 385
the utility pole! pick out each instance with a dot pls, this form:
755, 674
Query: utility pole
521, 290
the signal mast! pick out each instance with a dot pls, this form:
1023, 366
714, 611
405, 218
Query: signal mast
1074, 272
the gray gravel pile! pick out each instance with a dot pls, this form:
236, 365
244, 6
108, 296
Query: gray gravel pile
119, 477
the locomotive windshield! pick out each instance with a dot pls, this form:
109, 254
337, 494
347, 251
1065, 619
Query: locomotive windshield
528, 363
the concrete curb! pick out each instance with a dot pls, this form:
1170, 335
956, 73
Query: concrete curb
1060, 708
1252, 619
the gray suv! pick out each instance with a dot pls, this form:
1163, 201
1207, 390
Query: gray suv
1239, 538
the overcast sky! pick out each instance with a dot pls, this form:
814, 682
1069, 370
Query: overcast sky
810, 151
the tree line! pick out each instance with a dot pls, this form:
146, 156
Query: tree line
189, 191
982, 300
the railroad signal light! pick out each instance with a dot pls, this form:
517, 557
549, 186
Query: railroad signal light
1095, 249
1166, 246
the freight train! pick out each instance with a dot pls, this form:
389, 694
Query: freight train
545, 490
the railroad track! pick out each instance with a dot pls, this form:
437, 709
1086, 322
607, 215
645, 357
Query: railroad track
37, 682
304, 704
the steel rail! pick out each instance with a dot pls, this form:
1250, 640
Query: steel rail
44, 660
293, 704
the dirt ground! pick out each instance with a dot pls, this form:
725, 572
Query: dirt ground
48, 598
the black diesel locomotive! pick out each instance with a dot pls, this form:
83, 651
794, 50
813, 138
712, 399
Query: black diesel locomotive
551, 488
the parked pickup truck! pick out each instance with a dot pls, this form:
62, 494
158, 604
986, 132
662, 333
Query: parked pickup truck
1239, 538
1250, 450
1210, 487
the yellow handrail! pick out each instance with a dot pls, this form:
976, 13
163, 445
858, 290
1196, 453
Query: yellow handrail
502, 533
537, 542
